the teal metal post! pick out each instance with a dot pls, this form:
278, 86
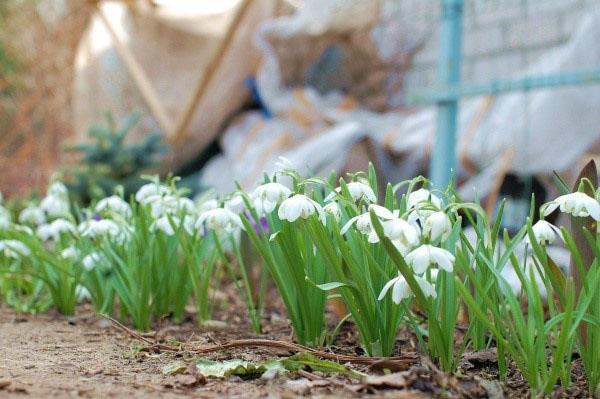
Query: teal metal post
443, 160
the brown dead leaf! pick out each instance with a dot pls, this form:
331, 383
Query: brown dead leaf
482, 357
389, 381
389, 364
304, 386
4, 383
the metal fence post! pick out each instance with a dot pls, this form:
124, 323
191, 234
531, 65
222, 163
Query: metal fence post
443, 159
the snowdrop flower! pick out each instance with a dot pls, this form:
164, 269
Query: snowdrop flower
5, 219
220, 219
545, 232
297, 206
150, 192
423, 195
363, 222
171, 205
92, 259
57, 189
208, 205
114, 204
400, 230
358, 191
334, 210
577, 204
284, 164
164, 224
268, 195
32, 215
55, 206
97, 228
401, 290
426, 255
236, 203
14, 249
437, 225
71, 253
54, 230
82, 293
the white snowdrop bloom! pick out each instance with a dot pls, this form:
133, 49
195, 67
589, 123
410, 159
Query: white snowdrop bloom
14, 249
150, 192
57, 189
426, 255
268, 195
185, 204
82, 293
437, 225
55, 206
236, 203
363, 221
99, 228
545, 232
32, 215
114, 204
422, 195
334, 210
91, 260
220, 219
5, 219
171, 205
284, 164
208, 205
53, 231
164, 224
358, 191
577, 204
71, 253
400, 230
401, 290
297, 206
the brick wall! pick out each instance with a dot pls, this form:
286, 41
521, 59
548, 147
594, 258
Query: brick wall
501, 37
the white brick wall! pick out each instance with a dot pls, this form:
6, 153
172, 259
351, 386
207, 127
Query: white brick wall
500, 36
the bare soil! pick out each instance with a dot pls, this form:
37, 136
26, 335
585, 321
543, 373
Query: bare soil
86, 356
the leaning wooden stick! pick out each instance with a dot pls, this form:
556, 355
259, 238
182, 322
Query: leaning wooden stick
179, 132
138, 75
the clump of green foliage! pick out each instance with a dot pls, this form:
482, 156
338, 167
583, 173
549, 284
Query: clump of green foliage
108, 161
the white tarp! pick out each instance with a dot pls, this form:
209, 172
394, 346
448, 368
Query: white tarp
547, 129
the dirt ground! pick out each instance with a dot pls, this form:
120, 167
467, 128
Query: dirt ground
87, 356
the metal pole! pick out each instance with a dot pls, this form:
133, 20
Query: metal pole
443, 159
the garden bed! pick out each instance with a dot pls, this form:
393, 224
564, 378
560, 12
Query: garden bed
315, 291
87, 356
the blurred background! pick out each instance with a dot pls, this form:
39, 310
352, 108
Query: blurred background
216, 91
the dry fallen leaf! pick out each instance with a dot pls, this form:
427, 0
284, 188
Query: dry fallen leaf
393, 381
481, 357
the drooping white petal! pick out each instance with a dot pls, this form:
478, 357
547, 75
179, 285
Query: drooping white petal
437, 225
545, 232
220, 219
421, 196
114, 204
358, 191
577, 204
426, 255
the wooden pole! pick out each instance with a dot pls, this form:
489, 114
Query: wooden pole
138, 75
180, 131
